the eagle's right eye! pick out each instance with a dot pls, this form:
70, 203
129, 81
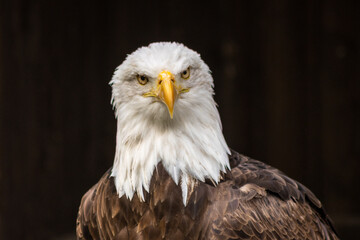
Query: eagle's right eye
186, 73
142, 79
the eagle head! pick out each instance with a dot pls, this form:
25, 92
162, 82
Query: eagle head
163, 100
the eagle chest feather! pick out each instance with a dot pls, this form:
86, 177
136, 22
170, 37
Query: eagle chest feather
253, 201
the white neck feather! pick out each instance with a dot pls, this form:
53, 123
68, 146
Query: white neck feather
190, 146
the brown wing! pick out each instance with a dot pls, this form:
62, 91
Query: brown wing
254, 201
103, 215
87, 221
259, 202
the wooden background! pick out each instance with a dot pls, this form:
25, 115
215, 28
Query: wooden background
286, 79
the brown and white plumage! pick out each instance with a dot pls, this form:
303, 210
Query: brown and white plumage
253, 201
195, 188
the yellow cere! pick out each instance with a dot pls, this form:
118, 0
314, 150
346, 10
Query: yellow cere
166, 75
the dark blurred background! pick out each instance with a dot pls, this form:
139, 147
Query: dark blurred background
286, 79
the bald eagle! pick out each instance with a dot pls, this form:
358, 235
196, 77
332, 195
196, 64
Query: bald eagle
174, 176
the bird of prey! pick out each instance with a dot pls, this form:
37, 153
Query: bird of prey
174, 176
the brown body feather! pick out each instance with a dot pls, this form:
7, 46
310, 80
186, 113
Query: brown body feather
253, 201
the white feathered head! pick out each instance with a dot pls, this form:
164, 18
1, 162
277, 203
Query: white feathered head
163, 97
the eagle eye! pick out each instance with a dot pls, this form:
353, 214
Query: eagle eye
142, 79
186, 73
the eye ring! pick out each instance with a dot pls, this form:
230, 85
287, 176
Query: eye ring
142, 79
186, 73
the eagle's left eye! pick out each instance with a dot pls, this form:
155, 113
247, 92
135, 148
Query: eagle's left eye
142, 79
186, 73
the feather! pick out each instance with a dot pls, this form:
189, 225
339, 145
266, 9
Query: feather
221, 212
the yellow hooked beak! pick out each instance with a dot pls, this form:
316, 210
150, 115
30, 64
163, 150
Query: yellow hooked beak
167, 90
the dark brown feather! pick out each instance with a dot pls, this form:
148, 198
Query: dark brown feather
253, 201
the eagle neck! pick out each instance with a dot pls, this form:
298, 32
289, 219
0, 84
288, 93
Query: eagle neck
191, 147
